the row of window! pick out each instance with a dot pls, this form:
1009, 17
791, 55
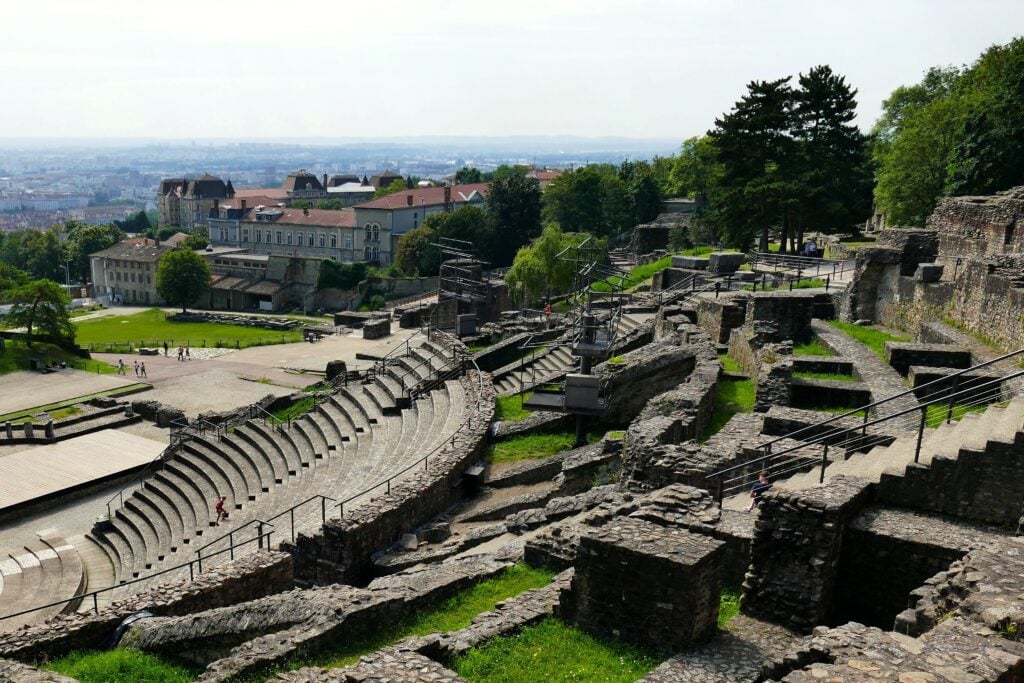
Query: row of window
289, 238
372, 232
130, 277
130, 265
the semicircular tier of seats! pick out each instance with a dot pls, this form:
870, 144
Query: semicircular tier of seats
44, 571
354, 439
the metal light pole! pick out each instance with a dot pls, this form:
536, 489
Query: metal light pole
67, 276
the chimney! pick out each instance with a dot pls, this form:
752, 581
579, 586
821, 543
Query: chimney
447, 198
408, 200
325, 181
243, 205
305, 211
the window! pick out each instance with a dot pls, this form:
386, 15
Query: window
288, 236
259, 235
366, 253
376, 232
309, 240
245, 235
323, 240
278, 236
334, 241
348, 241
368, 228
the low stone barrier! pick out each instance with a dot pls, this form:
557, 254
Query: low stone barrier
377, 329
254, 576
901, 355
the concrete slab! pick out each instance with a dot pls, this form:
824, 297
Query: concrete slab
45, 470
27, 389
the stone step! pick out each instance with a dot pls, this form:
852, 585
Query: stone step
46, 570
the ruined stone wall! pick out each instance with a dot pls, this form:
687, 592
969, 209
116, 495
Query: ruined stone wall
254, 576
795, 552
647, 372
789, 313
915, 246
719, 317
342, 551
980, 226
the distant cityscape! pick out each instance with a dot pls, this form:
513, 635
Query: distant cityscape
52, 181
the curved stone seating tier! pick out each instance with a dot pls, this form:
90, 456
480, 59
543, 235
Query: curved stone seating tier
47, 570
264, 470
556, 361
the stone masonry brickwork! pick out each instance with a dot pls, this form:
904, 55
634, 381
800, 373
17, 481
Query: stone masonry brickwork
16, 672
254, 576
980, 226
676, 603
796, 550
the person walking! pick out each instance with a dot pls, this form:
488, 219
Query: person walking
142, 369
136, 368
181, 353
165, 349
218, 507
187, 356
120, 366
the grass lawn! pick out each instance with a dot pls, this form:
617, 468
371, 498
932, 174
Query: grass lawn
531, 446
16, 356
936, 413
870, 337
729, 364
802, 284
122, 665
510, 408
296, 408
825, 375
812, 348
731, 397
728, 605
453, 615
151, 328
555, 652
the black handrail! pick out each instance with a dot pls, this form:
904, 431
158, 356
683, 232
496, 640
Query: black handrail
866, 408
947, 398
263, 540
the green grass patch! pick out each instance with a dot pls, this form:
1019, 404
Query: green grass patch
452, 615
294, 409
812, 348
18, 356
152, 328
731, 397
533, 446
555, 652
870, 337
802, 284
616, 360
729, 364
473, 348
728, 605
825, 375
319, 386
510, 408
615, 434
936, 413
122, 665
837, 410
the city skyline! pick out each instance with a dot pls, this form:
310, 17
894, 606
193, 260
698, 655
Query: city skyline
651, 70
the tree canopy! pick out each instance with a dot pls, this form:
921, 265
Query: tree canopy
396, 186
182, 277
537, 271
514, 202
341, 275
40, 306
468, 174
602, 198
83, 240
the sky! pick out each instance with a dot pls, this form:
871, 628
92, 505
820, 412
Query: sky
193, 69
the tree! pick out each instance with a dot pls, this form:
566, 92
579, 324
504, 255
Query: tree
83, 240
42, 254
194, 241
299, 204
696, 172
574, 200
334, 275
330, 204
415, 253
41, 306
515, 203
182, 277
756, 153
505, 171
468, 174
396, 186
10, 278
644, 195
537, 268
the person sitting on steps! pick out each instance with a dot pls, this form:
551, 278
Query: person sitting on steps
760, 486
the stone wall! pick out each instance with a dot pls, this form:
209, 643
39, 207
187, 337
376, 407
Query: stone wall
254, 576
676, 603
342, 551
647, 372
795, 552
915, 246
719, 317
901, 355
980, 226
16, 672
861, 296
789, 312
376, 329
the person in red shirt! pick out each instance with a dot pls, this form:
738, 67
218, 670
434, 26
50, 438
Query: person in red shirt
218, 507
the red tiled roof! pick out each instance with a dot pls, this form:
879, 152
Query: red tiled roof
546, 174
278, 193
176, 239
425, 196
345, 218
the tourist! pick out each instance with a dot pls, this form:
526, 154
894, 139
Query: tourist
218, 507
142, 369
758, 489
136, 368
165, 349
187, 356
181, 353
120, 367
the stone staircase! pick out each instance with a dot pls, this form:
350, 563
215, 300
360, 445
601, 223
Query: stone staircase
973, 431
47, 570
350, 441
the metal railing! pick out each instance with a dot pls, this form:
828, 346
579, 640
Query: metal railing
819, 266
958, 392
193, 566
412, 298
132, 345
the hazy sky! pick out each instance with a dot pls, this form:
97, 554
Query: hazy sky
255, 69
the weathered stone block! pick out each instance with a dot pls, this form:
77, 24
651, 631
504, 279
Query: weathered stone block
928, 272
676, 603
726, 262
691, 262
376, 329
901, 355
335, 368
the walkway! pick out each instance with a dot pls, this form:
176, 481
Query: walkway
882, 380
28, 389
